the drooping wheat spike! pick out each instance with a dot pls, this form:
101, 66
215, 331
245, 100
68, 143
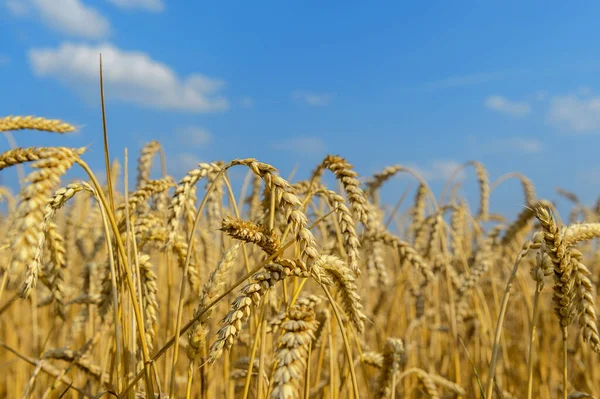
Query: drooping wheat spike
183, 192
429, 386
290, 204
347, 228
376, 268
418, 211
150, 229
393, 360
145, 162
344, 280
150, 188
482, 263
246, 231
379, 178
457, 224
26, 233
564, 278
571, 196
211, 290
405, 251
344, 172
585, 302
82, 361
253, 200
292, 352
58, 264
374, 359
214, 199
149, 298
514, 232
578, 232
29, 122
251, 295
63, 195
484, 190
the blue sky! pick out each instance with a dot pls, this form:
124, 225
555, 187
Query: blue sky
515, 85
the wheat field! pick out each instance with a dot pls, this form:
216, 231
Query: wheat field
182, 287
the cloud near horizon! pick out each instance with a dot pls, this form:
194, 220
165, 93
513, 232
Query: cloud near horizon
132, 76
503, 105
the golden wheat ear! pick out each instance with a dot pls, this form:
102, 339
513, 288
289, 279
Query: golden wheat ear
32, 123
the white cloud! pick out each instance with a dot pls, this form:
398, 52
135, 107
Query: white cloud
129, 76
181, 163
314, 99
247, 102
301, 145
575, 113
71, 17
504, 105
438, 170
148, 5
17, 8
194, 136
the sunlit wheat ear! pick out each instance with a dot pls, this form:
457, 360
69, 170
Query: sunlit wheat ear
27, 233
378, 179
347, 228
483, 261
578, 232
290, 204
515, 231
393, 360
344, 172
149, 298
214, 199
484, 190
54, 275
586, 303
150, 188
246, 231
405, 251
182, 193
292, 353
344, 280
33, 123
210, 291
144, 165
560, 255
250, 296
418, 211
310, 301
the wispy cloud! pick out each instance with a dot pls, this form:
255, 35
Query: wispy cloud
301, 145
132, 76
503, 105
312, 98
194, 136
575, 113
440, 169
71, 17
148, 5
181, 163
17, 8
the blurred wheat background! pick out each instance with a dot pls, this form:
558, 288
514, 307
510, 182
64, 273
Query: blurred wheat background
286, 289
